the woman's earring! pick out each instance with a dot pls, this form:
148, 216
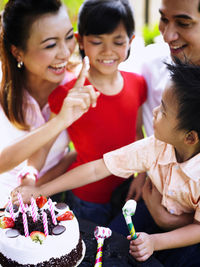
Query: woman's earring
20, 64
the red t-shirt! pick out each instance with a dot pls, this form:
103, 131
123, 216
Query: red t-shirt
108, 126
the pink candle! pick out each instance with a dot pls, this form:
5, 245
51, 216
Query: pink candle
34, 209
53, 217
25, 223
21, 203
10, 206
45, 223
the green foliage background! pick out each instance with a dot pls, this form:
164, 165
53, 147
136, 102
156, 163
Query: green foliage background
2, 3
73, 8
149, 33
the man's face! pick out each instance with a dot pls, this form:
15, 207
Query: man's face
180, 27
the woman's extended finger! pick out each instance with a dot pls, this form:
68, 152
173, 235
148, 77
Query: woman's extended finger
85, 90
82, 100
83, 73
93, 94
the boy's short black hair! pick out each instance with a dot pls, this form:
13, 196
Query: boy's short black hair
185, 77
103, 16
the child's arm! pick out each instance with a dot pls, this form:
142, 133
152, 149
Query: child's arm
82, 175
144, 246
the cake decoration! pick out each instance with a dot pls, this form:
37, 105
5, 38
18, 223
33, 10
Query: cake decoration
25, 224
11, 233
40, 234
59, 229
41, 201
68, 215
34, 212
61, 206
52, 211
45, 223
21, 203
37, 236
10, 207
15, 208
6, 222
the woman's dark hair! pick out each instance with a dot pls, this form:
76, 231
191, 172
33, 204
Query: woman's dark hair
185, 77
18, 17
103, 16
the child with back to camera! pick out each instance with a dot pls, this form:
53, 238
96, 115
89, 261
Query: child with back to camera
171, 158
106, 29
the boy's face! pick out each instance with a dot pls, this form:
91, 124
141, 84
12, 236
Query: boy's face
180, 27
165, 118
106, 51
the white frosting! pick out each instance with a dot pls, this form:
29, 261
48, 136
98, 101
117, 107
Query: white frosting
24, 251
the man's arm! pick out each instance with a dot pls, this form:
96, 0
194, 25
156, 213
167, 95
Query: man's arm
161, 216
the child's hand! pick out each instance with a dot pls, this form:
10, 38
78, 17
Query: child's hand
28, 179
142, 247
79, 98
26, 192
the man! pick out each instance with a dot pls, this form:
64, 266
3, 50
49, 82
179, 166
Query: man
180, 28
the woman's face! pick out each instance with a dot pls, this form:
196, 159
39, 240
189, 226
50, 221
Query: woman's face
49, 47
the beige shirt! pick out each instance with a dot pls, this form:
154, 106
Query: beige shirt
179, 183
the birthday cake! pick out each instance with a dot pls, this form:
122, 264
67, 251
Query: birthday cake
41, 234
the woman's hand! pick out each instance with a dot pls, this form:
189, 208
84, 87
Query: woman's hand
142, 247
79, 99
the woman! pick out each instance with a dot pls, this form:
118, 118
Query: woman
36, 42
